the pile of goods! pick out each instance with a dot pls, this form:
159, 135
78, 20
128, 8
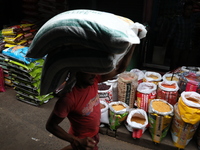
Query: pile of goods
160, 104
21, 34
25, 74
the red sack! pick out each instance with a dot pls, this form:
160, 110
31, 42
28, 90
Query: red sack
2, 88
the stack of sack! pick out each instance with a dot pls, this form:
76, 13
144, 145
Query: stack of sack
82, 40
25, 75
21, 34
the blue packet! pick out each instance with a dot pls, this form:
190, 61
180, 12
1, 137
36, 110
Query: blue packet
19, 53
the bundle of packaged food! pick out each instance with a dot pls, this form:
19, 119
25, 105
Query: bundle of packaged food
104, 112
127, 86
25, 74
137, 122
117, 114
146, 91
170, 77
105, 92
160, 116
186, 118
168, 90
189, 81
21, 34
139, 73
153, 77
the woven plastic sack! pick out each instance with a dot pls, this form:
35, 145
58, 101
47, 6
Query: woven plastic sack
189, 107
127, 86
93, 29
182, 132
137, 128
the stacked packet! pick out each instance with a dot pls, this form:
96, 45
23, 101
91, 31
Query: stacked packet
25, 75
17, 35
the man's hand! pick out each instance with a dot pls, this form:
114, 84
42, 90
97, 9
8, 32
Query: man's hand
84, 144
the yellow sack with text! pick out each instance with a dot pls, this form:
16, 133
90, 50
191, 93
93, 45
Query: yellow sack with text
189, 107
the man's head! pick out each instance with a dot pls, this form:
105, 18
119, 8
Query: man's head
84, 79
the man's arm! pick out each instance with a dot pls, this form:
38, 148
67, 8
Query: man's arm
121, 67
53, 127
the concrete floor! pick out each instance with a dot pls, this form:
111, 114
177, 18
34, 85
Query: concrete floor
22, 127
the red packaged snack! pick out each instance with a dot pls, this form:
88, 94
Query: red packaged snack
2, 88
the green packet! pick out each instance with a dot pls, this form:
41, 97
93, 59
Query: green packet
37, 97
28, 90
36, 73
21, 78
24, 67
32, 101
159, 126
34, 86
116, 119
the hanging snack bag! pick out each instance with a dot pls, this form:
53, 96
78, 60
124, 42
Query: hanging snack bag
139, 73
104, 112
189, 81
127, 87
160, 117
181, 132
153, 77
168, 90
117, 114
2, 82
146, 91
105, 92
170, 77
137, 122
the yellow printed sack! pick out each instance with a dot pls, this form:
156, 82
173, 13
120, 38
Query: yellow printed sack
189, 107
